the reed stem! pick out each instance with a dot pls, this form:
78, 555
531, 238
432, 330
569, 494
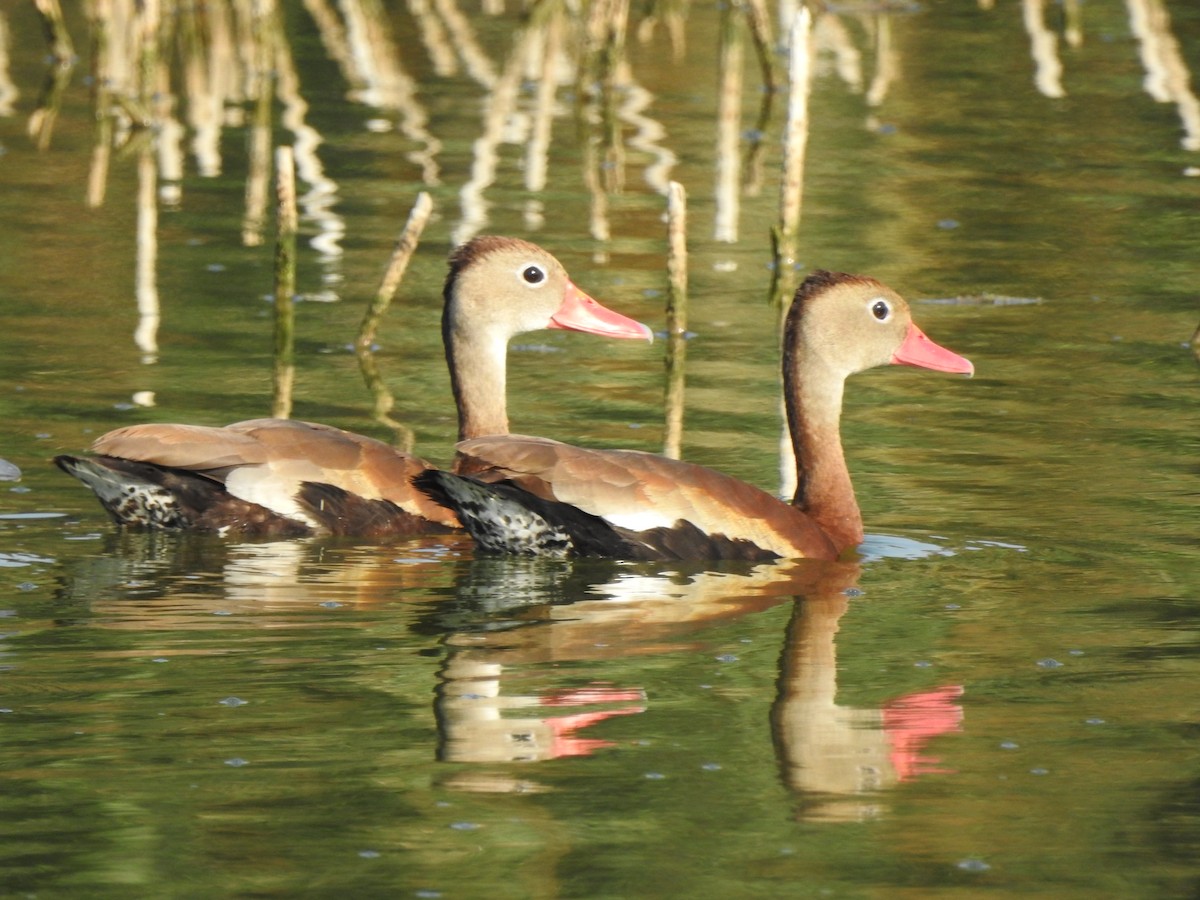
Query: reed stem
785, 235
285, 282
55, 27
406, 245
677, 299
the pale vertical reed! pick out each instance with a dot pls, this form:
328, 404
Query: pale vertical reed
677, 299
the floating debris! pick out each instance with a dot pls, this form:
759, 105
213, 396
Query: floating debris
984, 299
973, 865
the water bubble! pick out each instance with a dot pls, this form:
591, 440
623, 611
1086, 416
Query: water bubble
1039, 771
973, 865
711, 767
233, 701
727, 657
654, 776
160, 659
465, 826
329, 604
369, 854
236, 762
1094, 720
1009, 745
923, 664
1049, 663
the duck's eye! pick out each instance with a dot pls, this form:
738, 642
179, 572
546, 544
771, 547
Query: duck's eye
533, 274
881, 310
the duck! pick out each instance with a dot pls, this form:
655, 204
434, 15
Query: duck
539, 497
275, 477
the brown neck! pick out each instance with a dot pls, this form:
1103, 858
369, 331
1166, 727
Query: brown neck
477, 374
824, 491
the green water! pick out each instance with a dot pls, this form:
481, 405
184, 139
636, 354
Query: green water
999, 698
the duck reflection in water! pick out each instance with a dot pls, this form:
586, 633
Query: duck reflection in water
839, 758
507, 624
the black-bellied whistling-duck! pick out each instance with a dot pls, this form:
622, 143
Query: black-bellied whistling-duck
283, 477
534, 496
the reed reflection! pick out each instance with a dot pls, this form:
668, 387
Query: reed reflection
8, 88
1043, 47
1168, 79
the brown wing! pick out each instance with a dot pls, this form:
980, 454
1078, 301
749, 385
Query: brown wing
639, 492
267, 461
192, 447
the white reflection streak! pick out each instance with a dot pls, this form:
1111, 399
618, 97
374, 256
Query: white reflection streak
830, 34
499, 122
211, 80
265, 573
788, 10
1167, 77
546, 76
170, 160
333, 35
886, 66
1043, 47
386, 85
8, 90
731, 58
146, 283
647, 136
478, 65
371, 57
433, 38
369, 61
318, 201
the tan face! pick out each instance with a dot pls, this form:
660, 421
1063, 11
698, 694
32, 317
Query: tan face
501, 287
513, 286
853, 325
848, 323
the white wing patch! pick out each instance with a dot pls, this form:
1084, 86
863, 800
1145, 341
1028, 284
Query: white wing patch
259, 484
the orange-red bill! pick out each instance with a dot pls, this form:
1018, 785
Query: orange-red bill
579, 312
918, 350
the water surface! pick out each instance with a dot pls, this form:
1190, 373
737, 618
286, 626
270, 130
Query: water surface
997, 695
